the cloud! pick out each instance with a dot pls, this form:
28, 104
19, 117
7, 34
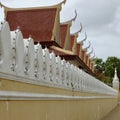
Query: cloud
100, 20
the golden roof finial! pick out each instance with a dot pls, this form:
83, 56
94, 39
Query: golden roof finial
75, 16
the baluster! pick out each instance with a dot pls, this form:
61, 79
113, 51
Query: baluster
58, 70
52, 68
29, 57
46, 66
17, 65
5, 48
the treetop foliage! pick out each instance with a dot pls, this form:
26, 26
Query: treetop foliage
105, 70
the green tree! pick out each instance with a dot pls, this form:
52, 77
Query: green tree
105, 70
110, 65
99, 65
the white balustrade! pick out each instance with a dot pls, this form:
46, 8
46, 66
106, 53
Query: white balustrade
21, 57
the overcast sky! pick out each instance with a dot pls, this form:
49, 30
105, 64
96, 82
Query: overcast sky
100, 20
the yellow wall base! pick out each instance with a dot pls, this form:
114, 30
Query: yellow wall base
56, 110
61, 109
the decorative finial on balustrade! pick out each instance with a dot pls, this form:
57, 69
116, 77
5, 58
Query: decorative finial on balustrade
38, 42
18, 29
115, 81
30, 36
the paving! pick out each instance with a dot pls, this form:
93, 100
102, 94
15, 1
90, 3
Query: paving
114, 114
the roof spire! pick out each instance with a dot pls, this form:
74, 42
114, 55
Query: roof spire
80, 28
115, 75
75, 16
72, 19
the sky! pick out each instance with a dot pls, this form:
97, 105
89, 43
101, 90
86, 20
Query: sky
100, 20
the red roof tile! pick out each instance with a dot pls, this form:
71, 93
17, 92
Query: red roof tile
83, 54
78, 49
72, 38
38, 23
86, 59
63, 33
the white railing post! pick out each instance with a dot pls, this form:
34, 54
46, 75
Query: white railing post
5, 47
68, 72
116, 81
46, 61
17, 65
58, 70
38, 63
63, 72
52, 67
29, 57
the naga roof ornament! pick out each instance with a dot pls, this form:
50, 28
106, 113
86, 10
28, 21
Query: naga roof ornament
89, 53
79, 31
81, 42
93, 56
72, 19
85, 49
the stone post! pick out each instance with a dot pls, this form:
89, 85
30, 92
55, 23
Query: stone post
115, 81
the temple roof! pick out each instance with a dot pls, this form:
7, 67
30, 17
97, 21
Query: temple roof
38, 23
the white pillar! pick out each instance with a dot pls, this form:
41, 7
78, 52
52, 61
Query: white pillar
5, 47
115, 81
29, 57
17, 55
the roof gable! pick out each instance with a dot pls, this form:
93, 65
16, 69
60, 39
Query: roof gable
72, 39
39, 22
63, 33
